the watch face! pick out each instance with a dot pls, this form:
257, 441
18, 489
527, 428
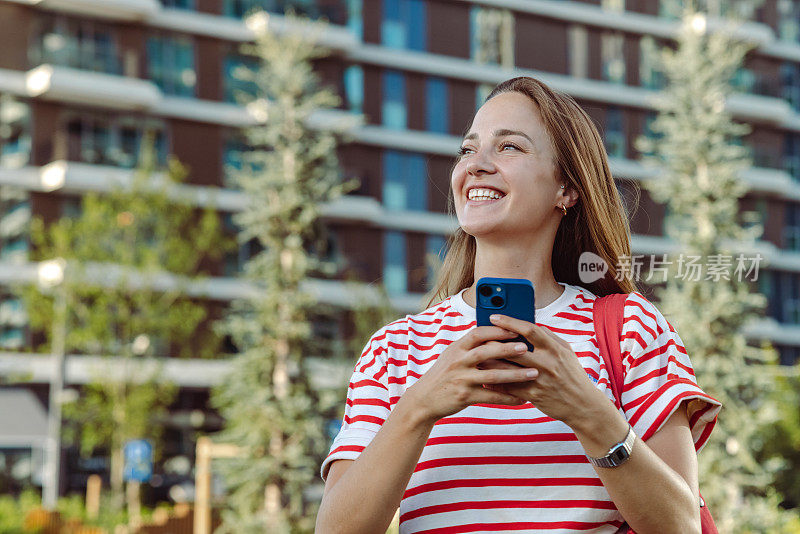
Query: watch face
619, 454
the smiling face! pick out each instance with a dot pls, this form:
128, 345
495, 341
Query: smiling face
504, 182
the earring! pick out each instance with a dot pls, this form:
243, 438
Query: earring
562, 186
563, 207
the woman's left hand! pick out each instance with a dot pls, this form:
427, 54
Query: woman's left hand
562, 389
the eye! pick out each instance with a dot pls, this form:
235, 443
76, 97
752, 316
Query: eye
463, 150
512, 145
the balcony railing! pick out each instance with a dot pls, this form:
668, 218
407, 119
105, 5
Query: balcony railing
68, 51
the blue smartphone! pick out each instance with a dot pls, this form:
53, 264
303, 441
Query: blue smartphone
505, 296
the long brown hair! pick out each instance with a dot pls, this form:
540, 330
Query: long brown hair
596, 223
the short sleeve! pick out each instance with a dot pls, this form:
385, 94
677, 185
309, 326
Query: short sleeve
659, 376
367, 405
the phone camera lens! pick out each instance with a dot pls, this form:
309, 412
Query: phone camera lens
485, 291
497, 301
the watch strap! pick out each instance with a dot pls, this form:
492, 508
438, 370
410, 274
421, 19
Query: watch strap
618, 454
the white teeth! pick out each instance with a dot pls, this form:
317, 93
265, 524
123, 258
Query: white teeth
484, 194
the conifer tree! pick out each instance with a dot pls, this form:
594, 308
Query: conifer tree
271, 409
697, 149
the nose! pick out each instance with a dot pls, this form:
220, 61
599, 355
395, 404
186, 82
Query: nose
479, 163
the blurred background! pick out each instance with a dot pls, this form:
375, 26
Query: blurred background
94, 91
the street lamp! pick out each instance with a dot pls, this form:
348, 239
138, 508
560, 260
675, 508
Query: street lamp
51, 275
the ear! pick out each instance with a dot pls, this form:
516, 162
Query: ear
569, 196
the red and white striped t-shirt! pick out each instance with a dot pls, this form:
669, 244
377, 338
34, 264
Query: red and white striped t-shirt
491, 468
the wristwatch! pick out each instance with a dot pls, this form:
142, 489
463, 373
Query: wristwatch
618, 454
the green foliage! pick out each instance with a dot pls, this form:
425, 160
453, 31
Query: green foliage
782, 440
700, 157
98, 424
14, 509
118, 253
270, 407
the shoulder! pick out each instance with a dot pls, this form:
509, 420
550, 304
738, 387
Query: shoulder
646, 332
642, 314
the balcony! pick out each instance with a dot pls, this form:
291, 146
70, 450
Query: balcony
98, 55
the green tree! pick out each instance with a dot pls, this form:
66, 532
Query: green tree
117, 251
270, 406
699, 153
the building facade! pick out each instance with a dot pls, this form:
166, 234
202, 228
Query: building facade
81, 81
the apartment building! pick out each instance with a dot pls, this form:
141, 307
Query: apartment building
82, 80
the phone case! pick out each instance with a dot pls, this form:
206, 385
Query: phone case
517, 297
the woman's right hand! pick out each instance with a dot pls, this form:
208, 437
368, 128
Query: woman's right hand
456, 380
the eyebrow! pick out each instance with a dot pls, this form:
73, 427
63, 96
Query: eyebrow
502, 133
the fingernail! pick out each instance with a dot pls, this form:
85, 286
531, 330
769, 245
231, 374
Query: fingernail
520, 347
494, 317
532, 373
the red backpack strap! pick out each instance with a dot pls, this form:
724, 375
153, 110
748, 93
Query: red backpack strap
609, 313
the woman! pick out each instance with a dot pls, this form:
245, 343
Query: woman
436, 424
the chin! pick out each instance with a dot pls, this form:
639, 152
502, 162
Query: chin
480, 230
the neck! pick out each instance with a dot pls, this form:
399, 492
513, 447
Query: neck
529, 263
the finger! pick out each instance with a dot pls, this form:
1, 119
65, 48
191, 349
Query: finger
532, 332
488, 396
481, 334
504, 376
498, 364
537, 358
494, 350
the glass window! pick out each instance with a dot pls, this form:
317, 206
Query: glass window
394, 100
617, 6
650, 118
14, 250
791, 227
234, 261
650, 76
171, 64
614, 135
395, 278
790, 83
179, 4
790, 296
492, 36
791, 155
435, 251
437, 114
578, 51
238, 154
355, 19
106, 140
788, 355
612, 57
12, 338
669, 9
404, 24
80, 44
481, 92
354, 88
237, 88
15, 132
744, 80
405, 180
240, 8
788, 21
232, 160
15, 217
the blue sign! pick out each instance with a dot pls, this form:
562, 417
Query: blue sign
138, 460
333, 427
